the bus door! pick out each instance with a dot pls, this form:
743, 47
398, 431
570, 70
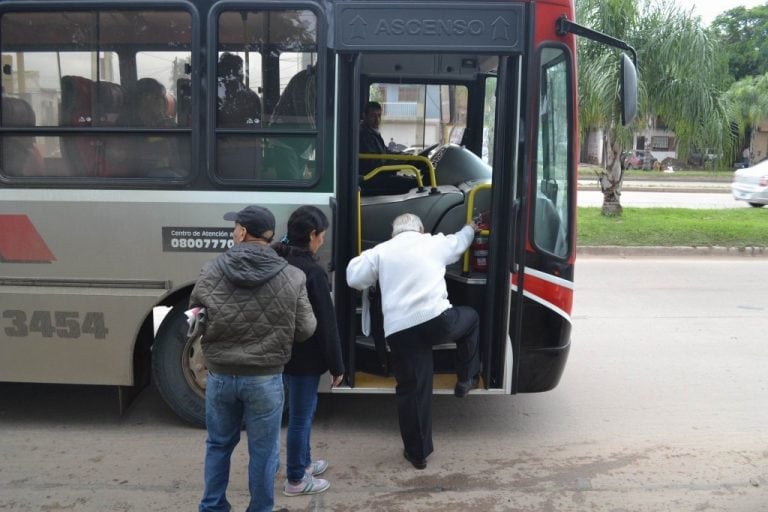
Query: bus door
459, 105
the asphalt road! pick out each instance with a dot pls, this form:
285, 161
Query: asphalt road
662, 408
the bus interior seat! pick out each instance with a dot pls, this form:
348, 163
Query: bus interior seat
84, 154
184, 101
20, 156
109, 102
378, 212
170, 108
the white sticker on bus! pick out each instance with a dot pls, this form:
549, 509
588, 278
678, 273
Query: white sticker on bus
191, 239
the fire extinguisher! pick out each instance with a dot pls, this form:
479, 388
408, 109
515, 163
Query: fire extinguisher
479, 248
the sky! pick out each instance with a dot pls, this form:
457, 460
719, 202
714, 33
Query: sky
709, 9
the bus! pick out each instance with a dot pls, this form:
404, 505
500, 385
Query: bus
128, 129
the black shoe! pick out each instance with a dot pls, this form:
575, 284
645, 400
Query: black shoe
417, 463
463, 386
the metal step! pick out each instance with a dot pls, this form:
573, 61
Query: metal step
368, 343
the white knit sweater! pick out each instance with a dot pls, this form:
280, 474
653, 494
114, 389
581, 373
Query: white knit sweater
410, 269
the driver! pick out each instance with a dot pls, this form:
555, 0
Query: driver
371, 141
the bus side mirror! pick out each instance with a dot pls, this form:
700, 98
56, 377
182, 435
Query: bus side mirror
628, 90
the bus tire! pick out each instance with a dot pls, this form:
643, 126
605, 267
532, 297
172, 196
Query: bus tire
171, 369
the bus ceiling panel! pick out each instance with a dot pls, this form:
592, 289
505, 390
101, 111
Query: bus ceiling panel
447, 27
441, 66
74, 30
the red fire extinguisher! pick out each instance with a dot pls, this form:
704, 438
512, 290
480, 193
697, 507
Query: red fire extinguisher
479, 247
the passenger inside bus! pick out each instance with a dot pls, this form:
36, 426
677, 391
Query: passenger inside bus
238, 105
291, 157
372, 142
20, 155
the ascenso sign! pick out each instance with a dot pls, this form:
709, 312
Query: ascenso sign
419, 26
435, 27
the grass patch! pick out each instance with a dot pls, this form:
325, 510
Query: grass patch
667, 227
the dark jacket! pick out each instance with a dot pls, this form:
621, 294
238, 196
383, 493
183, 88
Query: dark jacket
256, 307
371, 142
322, 351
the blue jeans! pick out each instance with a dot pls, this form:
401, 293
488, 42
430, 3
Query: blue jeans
229, 399
302, 402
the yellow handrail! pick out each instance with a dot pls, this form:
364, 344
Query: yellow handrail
383, 168
470, 208
396, 168
404, 158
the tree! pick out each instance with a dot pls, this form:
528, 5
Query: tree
680, 75
748, 103
744, 36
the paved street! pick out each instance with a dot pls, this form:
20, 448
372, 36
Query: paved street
664, 194
662, 408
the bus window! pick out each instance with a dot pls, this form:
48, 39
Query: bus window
489, 119
266, 125
552, 208
417, 116
88, 70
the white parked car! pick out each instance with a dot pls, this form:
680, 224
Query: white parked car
751, 184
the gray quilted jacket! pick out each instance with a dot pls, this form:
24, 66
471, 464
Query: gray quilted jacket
256, 307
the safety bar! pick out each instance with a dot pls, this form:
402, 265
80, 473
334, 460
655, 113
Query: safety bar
383, 168
470, 208
396, 168
405, 158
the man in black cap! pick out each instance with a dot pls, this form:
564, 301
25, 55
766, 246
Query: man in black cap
256, 307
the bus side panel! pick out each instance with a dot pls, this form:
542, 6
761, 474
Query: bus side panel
544, 349
70, 336
81, 270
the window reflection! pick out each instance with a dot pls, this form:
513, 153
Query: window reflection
266, 82
63, 70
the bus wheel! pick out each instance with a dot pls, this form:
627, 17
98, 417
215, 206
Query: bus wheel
178, 368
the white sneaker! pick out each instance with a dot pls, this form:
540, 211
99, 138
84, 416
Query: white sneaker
317, 467
307, 485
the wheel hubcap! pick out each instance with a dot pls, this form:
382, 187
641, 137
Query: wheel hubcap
195, 371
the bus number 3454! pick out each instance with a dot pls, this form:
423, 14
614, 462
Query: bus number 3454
63, 324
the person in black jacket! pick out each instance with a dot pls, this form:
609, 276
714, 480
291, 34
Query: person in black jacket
371, 142
320, 353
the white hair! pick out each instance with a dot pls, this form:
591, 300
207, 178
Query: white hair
407, 222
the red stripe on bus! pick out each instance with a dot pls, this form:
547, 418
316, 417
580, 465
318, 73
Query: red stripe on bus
21, 243
559, 296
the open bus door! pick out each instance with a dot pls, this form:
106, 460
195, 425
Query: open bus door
494, 169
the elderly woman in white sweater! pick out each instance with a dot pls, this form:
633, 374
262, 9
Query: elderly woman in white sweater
417, 315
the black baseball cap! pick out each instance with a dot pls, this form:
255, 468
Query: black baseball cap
256, 220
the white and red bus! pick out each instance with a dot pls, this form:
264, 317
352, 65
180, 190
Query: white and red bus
129, 128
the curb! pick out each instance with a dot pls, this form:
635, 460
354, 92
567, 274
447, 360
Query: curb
672, 252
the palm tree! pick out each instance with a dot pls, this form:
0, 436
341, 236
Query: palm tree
680, 75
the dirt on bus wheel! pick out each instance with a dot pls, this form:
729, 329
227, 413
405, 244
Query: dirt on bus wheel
168, 368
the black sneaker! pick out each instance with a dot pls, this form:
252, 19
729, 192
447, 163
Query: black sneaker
417, 463
463, 386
